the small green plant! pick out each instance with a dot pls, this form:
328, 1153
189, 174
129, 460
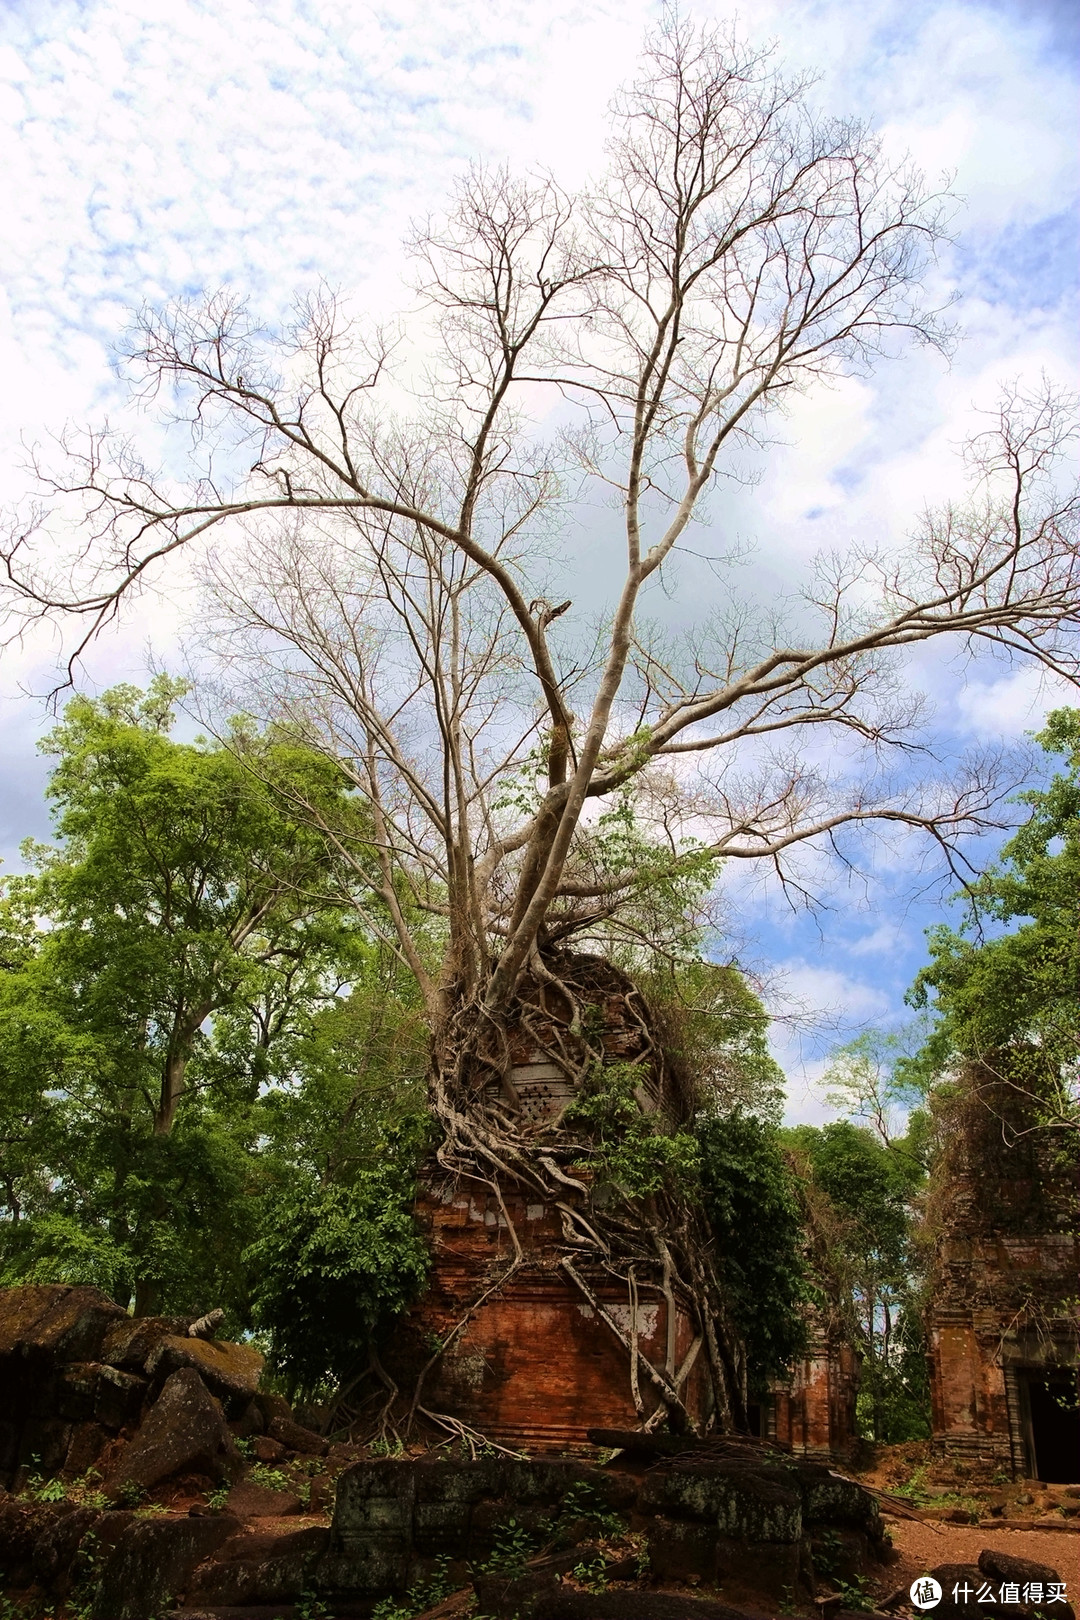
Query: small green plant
85, 1570
424, 1595
386, 1448
789, 1606
85, 1491
915, 1490
272, 1478
246, 1448
151, 1510
130, 1494
390, 1609
592, 1575
950, 1499
827, 1553
217, 1499
10, 1610
626, 1147
41, 1489
90, 1499
309, 1606
511, 1547
854, 1594
581, 1502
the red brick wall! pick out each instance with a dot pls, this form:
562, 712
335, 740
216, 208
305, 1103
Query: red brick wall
535, 1366
813, 1410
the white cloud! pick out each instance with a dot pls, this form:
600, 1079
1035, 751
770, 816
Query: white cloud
880, 941
1012, 705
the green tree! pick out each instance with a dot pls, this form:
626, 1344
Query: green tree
337, 1252
860, 1241
752, 1202
182, 931
715, 1033
336, 1261
1004, 986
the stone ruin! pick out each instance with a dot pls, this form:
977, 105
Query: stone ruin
812, 1409
537, 1363
549, 1352
1003, 1327
146, 1472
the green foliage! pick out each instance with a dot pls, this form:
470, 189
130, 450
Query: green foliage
752, 1203
661, 885
592, 1574
1000, 989
422, 1596
715, 1031
175, 1040
581, 1504
625, 1147
511, 1548
1005, 980
334, 1263
856, 1594
272, 1478
870, 1080
311, 1607
859, 1194
40, 1489
868, 1184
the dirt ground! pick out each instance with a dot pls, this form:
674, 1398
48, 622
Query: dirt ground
921, 1546
1033, 1520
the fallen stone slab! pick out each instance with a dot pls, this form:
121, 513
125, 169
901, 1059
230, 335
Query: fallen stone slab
970, 1577
22, 1524
1055, 1526
130, 1342
294, 1437
229, 1371
118, 1397
55, 1322
55, 1550
184, 1431
1006, 1566
261, 1567
152, 1562
266, 1450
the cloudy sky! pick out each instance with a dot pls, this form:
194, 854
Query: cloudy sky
151, 150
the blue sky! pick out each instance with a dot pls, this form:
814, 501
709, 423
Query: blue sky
152, 150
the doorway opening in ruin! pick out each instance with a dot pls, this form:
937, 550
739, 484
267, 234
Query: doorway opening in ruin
1053, 1426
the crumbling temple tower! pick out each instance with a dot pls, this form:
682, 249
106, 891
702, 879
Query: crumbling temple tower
529, 1333
812, 1409
1002, 1321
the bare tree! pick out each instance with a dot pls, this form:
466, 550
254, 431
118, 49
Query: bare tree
405, 596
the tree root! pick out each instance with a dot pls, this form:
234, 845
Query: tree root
662, 1239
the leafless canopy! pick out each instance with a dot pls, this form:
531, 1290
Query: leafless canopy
402, 588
